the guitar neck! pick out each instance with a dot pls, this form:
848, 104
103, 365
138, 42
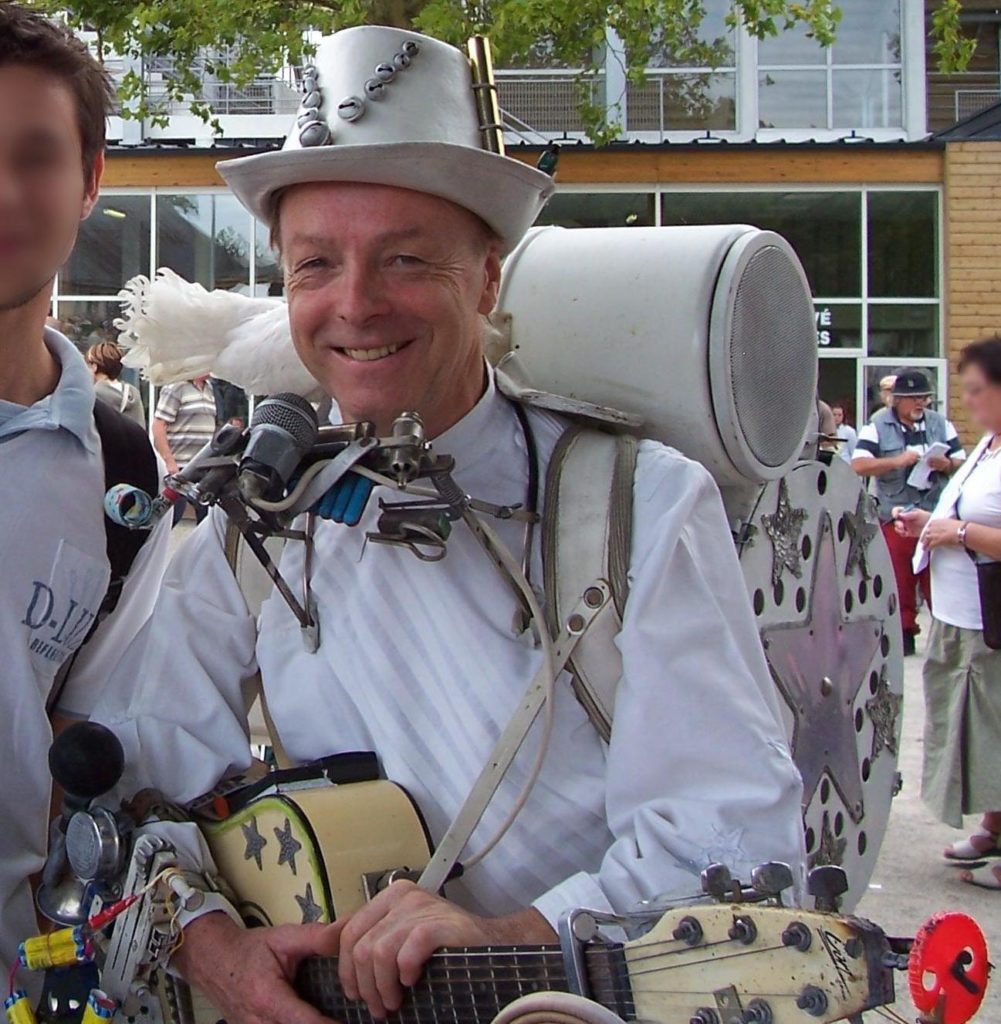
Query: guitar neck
471, 986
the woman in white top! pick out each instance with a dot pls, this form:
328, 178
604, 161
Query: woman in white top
962, 675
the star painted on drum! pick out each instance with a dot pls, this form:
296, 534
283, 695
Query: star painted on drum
820, 666
255, 842
831, 849
784, 529
883, 708
862, 528
311, 910
288, 845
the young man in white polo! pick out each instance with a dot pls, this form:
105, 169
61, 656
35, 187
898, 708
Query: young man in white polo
57, 554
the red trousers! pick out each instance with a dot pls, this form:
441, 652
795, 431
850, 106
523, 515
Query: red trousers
902, 554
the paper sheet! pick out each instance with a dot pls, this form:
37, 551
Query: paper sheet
921, 473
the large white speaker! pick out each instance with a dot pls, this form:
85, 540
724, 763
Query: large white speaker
706, 333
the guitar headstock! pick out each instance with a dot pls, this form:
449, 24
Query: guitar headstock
751, 963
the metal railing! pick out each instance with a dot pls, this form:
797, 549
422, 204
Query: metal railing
548, 101
952, 98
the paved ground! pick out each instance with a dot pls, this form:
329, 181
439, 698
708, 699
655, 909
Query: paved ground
911, 881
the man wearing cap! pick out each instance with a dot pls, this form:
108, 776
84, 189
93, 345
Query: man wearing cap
391, 218
888, 448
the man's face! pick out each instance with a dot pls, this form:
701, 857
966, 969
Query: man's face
43, 195
386, 289
911, 408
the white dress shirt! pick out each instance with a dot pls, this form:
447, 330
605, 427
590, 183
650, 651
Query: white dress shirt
420, 663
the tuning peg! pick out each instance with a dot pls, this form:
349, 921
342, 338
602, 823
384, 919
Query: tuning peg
717, 881
827, 884
771, 879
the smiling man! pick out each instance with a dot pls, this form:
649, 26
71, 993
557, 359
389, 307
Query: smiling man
391, 225
62, 563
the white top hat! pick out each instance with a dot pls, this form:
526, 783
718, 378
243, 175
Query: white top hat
388, 107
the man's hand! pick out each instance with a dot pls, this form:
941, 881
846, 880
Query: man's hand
941, 533
941, 464
385, 945
907, 458
245, 973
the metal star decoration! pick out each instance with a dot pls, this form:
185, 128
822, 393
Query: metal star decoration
784, 529
311, 910
831, 849
862, 529
883, 708
819, 666
288, 845
255, 842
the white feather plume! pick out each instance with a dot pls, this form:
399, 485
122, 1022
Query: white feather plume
175, 330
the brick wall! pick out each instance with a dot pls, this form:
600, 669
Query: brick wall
972, 247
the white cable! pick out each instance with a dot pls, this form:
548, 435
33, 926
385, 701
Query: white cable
296, 493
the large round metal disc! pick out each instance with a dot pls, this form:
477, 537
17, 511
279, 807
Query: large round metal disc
822, 587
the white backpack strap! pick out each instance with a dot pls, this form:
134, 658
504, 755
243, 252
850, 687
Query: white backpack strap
586, 539
256, 585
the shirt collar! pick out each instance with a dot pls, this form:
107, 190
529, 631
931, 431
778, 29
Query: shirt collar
70, 406
475, 435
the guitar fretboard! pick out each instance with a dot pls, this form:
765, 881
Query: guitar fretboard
471, 986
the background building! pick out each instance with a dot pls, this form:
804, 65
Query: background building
835, 148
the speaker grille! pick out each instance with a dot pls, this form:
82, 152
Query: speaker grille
773, 385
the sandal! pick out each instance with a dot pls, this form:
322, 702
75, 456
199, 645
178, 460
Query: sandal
971, 849
988, 876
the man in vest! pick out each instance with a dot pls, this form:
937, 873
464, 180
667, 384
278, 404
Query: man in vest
391, 218
60, 558
888, 448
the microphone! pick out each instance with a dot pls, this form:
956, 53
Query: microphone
284, 428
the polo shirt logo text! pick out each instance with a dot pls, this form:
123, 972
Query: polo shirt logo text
69, 620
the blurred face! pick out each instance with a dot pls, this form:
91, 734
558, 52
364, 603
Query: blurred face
886, 395
43, 195
386, 289
839, 414
983, 399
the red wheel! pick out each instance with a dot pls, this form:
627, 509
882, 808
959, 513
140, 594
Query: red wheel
948, 967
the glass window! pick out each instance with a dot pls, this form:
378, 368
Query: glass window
793, 46
268, 274
711, 43
839, 325
86, 323
825, 228
867, 99
837, 384
903, 244
205, 238
113, 246
868, 33
683, 102
903, 330
857, 81
599, 210
792, 99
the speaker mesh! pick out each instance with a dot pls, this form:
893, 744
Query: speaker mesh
773, 386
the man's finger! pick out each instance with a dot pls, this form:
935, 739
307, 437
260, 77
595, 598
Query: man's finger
358, 925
